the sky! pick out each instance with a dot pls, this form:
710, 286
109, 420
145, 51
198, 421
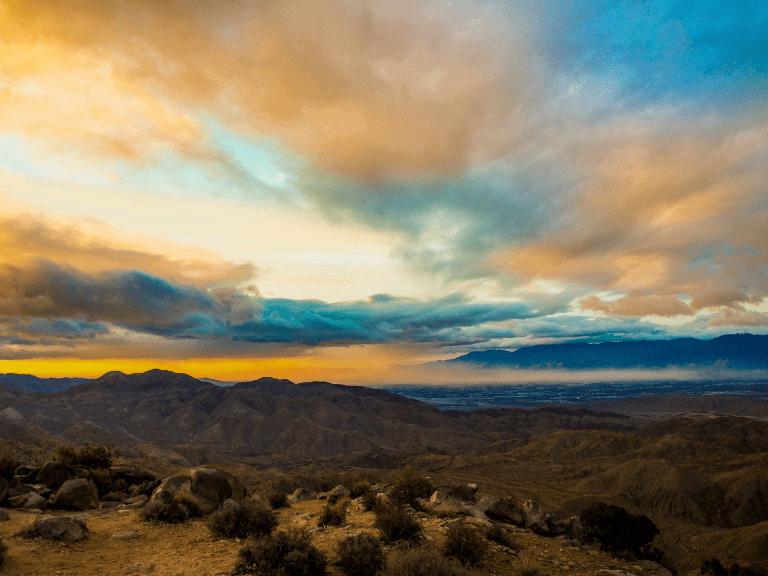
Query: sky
341, 190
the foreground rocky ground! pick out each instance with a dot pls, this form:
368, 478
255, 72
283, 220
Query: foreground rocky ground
119, 542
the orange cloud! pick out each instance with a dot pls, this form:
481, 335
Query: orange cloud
26, 239
638, 305
368, 90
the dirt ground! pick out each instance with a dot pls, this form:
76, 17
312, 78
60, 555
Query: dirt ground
190, 549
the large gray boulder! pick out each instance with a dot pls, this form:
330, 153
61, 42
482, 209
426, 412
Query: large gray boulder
208, 487
34, 502
503, 509
445, 504
53, 474
61, 528
77, 494
40, 489
538, 521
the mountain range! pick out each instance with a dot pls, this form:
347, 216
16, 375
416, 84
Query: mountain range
734, 351
693, 464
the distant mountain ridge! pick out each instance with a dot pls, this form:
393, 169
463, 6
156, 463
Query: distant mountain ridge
735, 351
30, 383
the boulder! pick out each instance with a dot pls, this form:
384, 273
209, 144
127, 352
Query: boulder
442, 503
35, 502
571, 528
475, 512
536, 520
17, 501
61, 528
40, 489
652, 566
3, 488
478, 523
209, 487
340, 492
78, 494
145, 488
131, 474
239, 491
4, 515
136, 502
502, 509
53, 474
24, 470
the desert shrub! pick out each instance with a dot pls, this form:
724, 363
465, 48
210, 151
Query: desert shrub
289, 553
248, 519
713, 567
501, 536
462, 492
3, 552
90, 455
277, 499
615, 529
114, 497
172, 511
193, 508
333, 514
527, 567
421, 562
409, 484
369, 500
395, 524
360, 555
359, 488
107, 482
465, 544
8, 465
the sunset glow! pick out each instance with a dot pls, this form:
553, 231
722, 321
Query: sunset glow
338, 189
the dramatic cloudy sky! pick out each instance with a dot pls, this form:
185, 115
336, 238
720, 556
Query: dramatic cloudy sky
337, 188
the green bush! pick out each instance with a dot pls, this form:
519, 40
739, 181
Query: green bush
421, 562
408, 485
3, 552
615, 529
360, 555
395, 524
172, 511
277, 499
289, 553
465, 544
501, 536
333, 514
90, 455
248, 519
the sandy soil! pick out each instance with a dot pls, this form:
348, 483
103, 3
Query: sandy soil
190, 549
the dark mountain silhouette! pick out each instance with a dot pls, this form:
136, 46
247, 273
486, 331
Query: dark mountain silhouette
30, 383
736, 351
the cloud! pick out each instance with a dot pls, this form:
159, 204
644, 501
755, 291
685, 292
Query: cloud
28, 237
638, 305
368, 90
